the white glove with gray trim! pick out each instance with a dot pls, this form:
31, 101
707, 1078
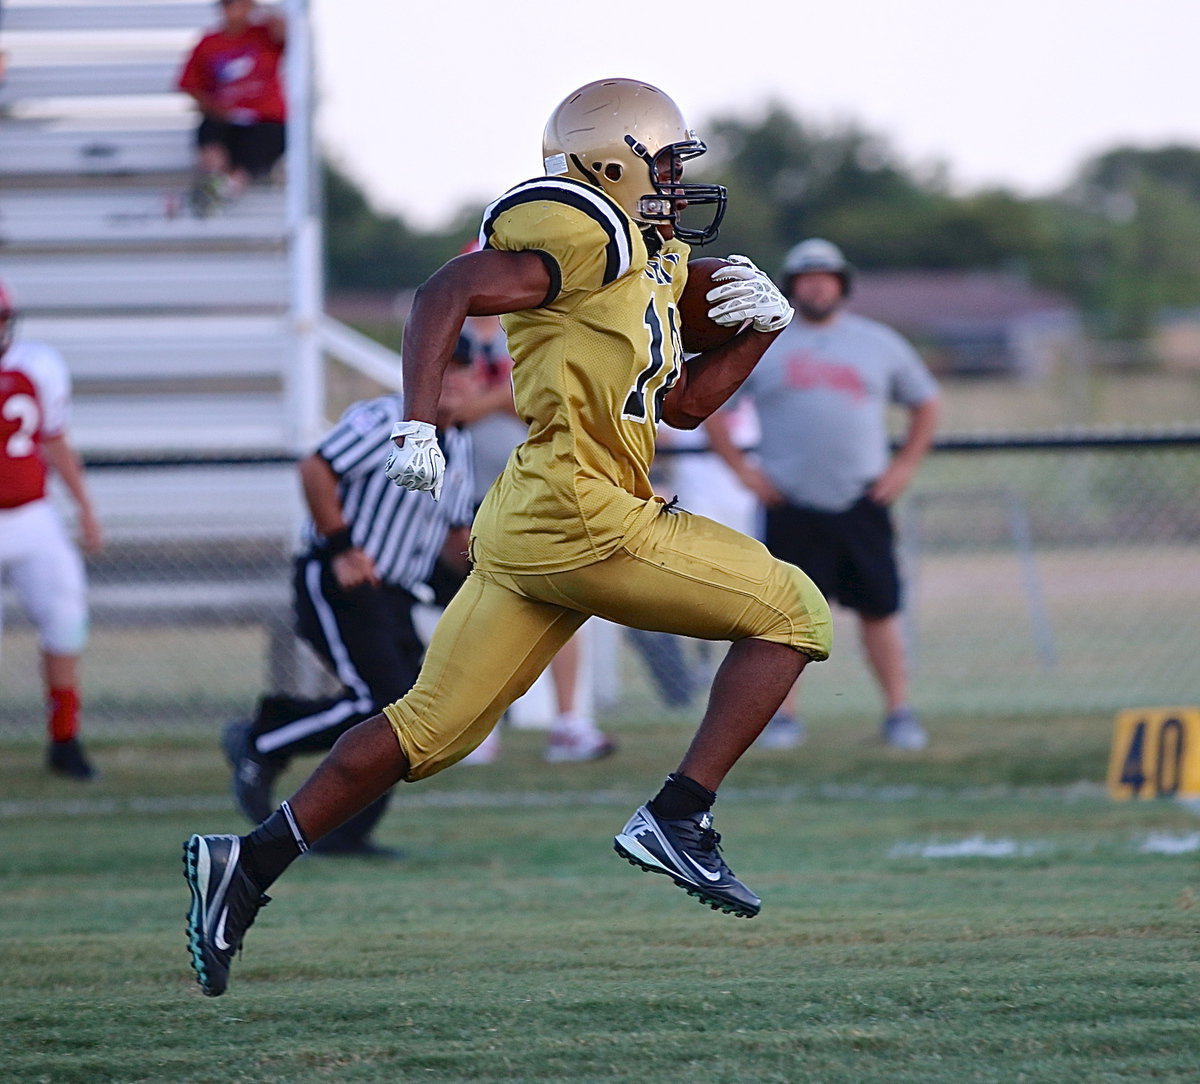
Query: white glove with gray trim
418, 462
747, 293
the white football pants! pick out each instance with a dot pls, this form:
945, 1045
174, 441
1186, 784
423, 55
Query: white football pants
45, 570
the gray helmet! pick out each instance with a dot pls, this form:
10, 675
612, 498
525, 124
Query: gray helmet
816, 254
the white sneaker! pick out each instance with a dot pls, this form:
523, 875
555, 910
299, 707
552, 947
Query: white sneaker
574, 739
902, 730
782, 732
486, 752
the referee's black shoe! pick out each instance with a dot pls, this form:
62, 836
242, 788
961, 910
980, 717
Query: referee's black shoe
225, 902
254, 773
687, 851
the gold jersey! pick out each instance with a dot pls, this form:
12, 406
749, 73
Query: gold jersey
591, 365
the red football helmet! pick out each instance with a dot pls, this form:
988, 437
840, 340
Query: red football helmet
8, 318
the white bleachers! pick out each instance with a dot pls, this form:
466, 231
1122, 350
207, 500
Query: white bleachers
145, 424
190, 340
185, 335
75, 152
137, 15
216, 504
243, 280
87, 80
134, 216
124, 348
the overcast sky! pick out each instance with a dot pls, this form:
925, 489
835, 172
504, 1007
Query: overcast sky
432, 105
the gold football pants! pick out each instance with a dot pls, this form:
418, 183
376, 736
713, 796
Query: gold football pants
684, 574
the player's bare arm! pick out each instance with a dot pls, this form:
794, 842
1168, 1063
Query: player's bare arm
743, 295
486, 283
709, 379
483, 283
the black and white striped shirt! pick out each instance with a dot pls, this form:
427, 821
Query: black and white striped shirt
402, 530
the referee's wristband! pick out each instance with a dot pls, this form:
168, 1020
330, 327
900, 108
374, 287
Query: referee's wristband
338, 541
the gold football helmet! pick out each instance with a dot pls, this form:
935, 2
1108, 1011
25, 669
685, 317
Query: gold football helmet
625, 137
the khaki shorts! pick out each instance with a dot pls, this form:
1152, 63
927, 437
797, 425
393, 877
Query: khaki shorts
684, 574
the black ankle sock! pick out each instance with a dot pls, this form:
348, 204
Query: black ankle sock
272, 847
681, 797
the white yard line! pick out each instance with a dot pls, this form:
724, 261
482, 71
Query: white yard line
409, 798
1170, 843
976, 846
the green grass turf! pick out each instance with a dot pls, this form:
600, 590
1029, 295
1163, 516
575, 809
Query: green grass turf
512, 944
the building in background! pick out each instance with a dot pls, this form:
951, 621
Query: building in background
975, 323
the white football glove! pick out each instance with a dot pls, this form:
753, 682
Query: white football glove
747, 293
419, 463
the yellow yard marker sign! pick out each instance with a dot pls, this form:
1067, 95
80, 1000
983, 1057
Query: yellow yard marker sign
1155, 754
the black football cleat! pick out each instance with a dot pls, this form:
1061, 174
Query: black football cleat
687, 851
67, 758
254, 773
225, 902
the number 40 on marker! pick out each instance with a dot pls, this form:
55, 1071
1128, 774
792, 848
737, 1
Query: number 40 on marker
1155, 754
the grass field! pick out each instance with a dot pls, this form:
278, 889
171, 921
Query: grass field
979, 912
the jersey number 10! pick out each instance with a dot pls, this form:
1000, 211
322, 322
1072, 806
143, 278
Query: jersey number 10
645, 398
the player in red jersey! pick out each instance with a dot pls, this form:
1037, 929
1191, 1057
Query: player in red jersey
36, 556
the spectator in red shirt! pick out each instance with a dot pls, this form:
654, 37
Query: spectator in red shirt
233, 75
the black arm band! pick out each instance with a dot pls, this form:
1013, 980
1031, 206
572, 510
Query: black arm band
338, 541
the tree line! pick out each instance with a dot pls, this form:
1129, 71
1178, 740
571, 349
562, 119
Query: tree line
1122, 239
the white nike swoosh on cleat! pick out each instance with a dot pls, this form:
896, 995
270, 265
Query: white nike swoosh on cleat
671, 849
710, 877
219, 933
223, 891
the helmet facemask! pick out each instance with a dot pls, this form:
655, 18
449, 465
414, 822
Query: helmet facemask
671, 195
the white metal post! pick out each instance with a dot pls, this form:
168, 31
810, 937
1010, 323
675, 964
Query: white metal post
305, 395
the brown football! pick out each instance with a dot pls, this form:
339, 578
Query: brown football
699, 333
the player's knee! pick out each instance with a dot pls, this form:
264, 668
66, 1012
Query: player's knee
369, 748
811, 618
65, 635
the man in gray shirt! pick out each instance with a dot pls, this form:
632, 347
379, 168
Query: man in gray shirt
824, 470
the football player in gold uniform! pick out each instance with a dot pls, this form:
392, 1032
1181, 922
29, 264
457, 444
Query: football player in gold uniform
586, 266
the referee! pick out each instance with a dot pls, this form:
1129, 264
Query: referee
366, 558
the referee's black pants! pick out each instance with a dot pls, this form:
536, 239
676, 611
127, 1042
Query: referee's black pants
366, 637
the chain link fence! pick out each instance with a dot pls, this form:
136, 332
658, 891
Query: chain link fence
1052, 576
1044, 576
